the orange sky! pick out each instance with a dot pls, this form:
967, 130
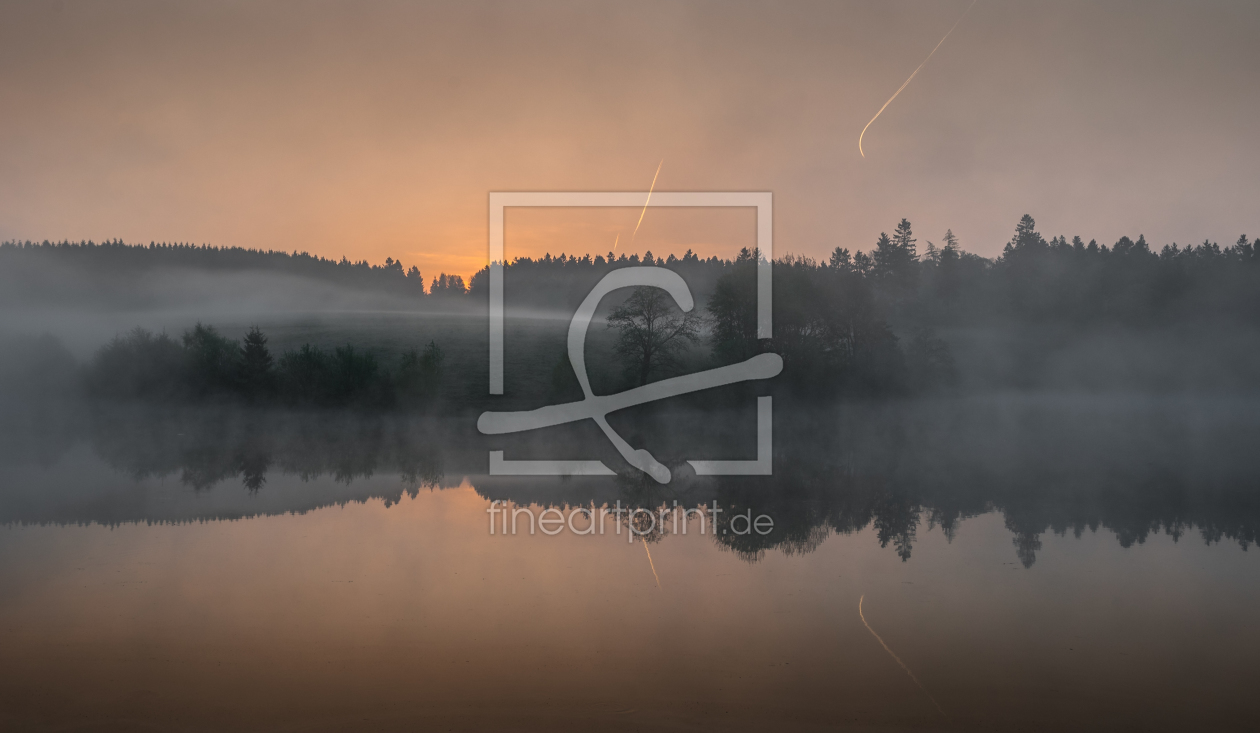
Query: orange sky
378, 129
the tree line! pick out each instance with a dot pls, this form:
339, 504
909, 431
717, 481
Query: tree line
869, 322
203, 365
115, 256
1033, 279
873, 323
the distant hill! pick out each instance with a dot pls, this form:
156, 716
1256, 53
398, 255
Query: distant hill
118, 275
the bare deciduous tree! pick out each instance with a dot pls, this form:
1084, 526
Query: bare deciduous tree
653, 332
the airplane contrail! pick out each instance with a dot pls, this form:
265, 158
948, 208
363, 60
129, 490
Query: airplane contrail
916, 71
649, 198
897, 659
649, 552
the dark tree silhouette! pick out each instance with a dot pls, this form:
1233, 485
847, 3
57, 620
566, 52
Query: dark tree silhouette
257, 376
653, 332
212, 361
896, 258
139, 365
733, 312
420, 375
447, 285
1003, 321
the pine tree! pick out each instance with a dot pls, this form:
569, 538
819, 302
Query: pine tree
895, 257
1026, 236
904, 239
256, 365
841, 260
884, 256
863, 264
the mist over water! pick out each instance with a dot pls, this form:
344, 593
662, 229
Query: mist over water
387, 402
271, 503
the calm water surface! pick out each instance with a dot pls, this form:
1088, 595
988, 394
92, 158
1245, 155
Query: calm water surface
372, 602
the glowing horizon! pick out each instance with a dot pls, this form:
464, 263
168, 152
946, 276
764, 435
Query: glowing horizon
375, 132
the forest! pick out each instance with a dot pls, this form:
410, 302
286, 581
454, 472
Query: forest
204, 366
1056, 382
900, 319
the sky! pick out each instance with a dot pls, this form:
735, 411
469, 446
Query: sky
378, 129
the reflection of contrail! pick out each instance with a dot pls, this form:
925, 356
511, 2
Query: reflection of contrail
649, 552
649, 198
897, 659
916, 71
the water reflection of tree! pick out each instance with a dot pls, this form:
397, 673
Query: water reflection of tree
208, 447
837, 470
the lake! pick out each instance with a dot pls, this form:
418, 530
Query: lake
1001, 563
